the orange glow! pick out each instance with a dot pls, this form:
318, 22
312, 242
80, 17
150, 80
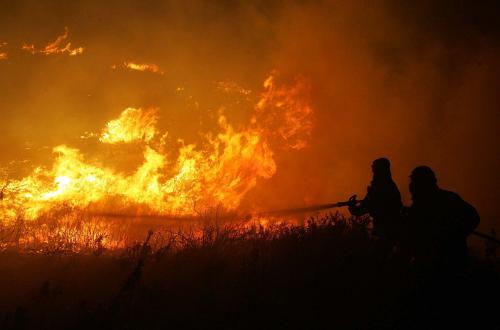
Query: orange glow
357, 81
132, 125
3, 55
58, 46
288, 109
216, 173
143, 67
228, 86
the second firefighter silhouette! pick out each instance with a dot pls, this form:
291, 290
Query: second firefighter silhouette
382, 201
439, 222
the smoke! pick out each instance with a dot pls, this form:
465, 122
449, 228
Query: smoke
414, 82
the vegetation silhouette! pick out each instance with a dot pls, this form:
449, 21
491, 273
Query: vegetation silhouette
324, 274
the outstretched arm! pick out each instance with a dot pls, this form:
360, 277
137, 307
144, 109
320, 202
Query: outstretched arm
359, 209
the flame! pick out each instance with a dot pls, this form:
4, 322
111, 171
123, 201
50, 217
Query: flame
215, 173
288, 109
55, 47
132, 125
143, 67
3, 55
228, 86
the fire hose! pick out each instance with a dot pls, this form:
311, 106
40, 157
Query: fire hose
322, 207
279, 212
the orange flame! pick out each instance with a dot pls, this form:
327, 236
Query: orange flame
217, 173
3, 55
288, 109
55, 47
228, 86
143, 67
132, 125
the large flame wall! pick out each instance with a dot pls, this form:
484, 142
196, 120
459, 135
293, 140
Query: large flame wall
215, 174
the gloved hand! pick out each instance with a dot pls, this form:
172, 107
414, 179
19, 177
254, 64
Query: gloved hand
352, 200
352, 205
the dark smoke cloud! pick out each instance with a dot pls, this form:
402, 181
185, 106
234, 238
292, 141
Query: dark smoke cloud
414, 81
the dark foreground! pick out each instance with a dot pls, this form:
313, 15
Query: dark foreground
326, 275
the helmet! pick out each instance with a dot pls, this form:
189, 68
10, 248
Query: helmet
423, 175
